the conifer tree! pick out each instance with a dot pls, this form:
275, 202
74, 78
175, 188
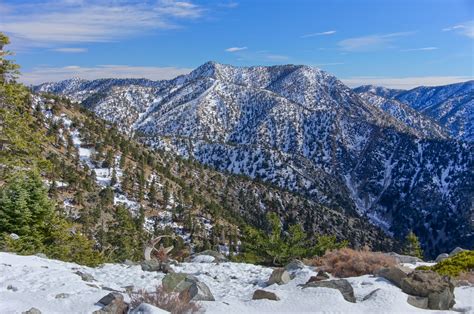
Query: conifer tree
412, 245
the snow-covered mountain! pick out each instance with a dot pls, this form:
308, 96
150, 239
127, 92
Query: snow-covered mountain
451, 105
302, 129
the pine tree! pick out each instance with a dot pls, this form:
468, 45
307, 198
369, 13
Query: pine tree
412, 245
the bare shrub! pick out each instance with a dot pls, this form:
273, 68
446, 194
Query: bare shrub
350, 263
468, 276
171, 302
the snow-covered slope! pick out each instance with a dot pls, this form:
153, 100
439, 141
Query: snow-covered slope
302, 129
451, 105
54, 287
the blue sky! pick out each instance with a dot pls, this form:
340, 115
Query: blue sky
392, 43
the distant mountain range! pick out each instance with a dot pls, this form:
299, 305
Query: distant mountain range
402, 159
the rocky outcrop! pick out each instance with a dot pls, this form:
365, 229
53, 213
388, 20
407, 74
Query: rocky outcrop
405, 258
438, 290
441, 257
33, 310
294, 265
208, 256
456, 251
279, 276
267, 295
340, 284
321, 275
154, 265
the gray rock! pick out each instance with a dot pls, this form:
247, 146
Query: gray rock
441, 257
279, 276
12, 288
15, 236
151, 265
456, 251
85, 276
295, 265
218, 257
62, 296
33, 310
371, 295
426, 283
394, 274
264, 295
340, 284
420, 302
404, 258
129, 262
187, 286
42, 255
321, 275
112, 303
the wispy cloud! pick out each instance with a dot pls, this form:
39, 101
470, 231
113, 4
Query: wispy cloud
70, 50
319, 34
235, 49
422, 49
52, 74
466, 29
53, 22
276, 58
371, 42
404, 82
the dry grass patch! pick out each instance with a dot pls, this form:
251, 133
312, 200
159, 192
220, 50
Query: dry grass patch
171, 302
350, 263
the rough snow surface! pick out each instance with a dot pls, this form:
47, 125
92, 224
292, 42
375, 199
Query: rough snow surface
35, 282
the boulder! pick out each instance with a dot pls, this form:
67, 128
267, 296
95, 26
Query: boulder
33, 310
146, 308
154, 265
428, 284
456, 251
394, 274
264, 295
62, 296
12, 288
187, 286
340, 284
42, 255
295, 265
206, 257
321, 275
279, 276
420, 302
85, 276
441, 257
112, 303
404, 258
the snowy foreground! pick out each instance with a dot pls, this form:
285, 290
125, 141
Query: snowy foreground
31, 281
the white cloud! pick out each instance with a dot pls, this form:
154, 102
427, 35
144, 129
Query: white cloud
53, 74
318, 34
466, 29
235, 49
277, 58
53, 22
404, 82
422, 49
70, 50
371, 42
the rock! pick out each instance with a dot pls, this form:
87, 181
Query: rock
12, 288
112, 303
42, 255
404, 258
129, 262
321, 275
421, 302
456, 251
62, 296
187, 286
279, 276
33, 310
295, 265
15, 236
394, 274
340, 284
371, 295
426, 283
205, 257
146, 308
441, 257
267, 295
85, 276
151, 265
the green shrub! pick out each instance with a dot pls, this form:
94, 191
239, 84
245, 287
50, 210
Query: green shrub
462, 262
